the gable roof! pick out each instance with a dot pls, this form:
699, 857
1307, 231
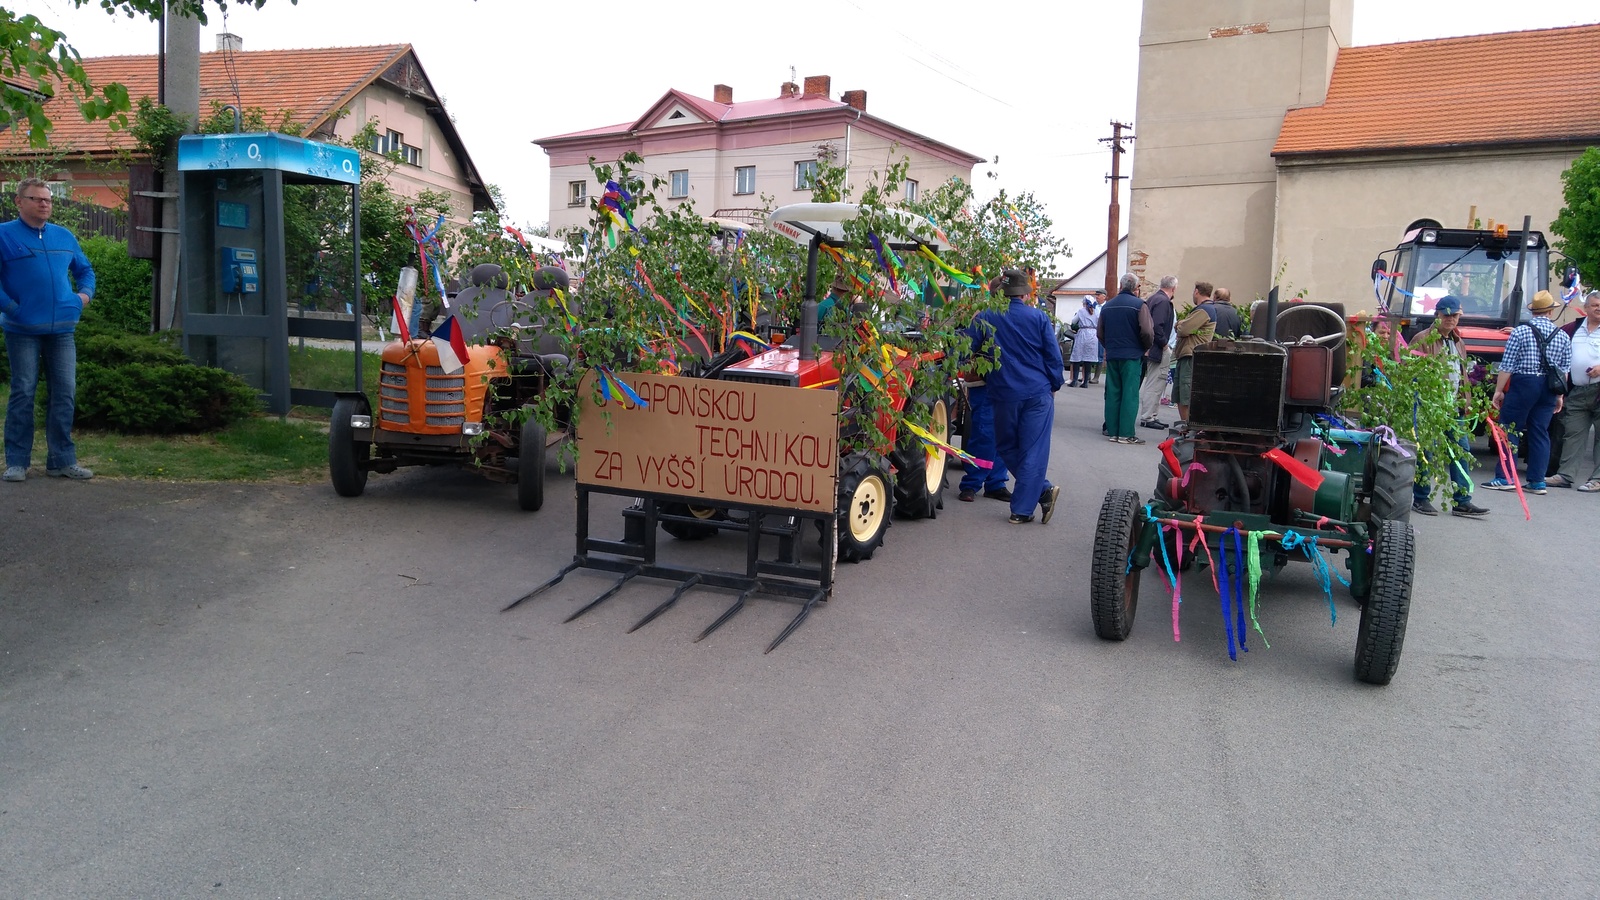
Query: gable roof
310, 86
718, 115
1521, 87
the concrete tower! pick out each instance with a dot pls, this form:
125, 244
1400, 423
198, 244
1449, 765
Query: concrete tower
1215, 79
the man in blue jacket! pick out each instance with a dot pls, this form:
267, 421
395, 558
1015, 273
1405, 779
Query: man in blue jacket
39, 310
1127, 332
1020, 389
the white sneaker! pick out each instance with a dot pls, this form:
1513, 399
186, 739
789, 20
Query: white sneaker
74, 471
15, 473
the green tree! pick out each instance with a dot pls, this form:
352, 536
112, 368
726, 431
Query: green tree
37, 55
1578, 223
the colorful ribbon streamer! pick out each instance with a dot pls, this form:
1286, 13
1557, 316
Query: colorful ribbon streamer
936, 444
614, 388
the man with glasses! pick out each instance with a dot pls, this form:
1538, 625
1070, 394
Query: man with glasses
45, 281
1444, 339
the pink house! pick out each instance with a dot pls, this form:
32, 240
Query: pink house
725, 155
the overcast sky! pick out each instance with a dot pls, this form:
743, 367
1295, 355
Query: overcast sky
999, 78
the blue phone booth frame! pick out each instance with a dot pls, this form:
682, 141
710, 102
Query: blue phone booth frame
234, 302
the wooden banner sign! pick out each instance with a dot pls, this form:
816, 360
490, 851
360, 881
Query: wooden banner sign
719, 442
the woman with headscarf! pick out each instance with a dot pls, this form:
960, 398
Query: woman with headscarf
1085, 344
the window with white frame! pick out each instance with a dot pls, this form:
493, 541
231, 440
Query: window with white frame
911, 190
744, 180
393, 142
679, 186
805, 174
577, 193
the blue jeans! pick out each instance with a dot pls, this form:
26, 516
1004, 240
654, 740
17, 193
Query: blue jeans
1459, 475
60, 355
980, 443
1526, 412
1022, 438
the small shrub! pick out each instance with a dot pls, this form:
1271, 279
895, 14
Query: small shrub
142, 384
122, 287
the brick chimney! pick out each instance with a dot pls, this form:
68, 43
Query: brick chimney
722, 93
788, 89
226, 41
855, 100
818, 86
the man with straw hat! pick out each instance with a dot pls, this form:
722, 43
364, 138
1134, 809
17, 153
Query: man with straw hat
1523, 393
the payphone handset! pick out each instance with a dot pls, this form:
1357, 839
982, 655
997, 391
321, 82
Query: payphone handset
239, 272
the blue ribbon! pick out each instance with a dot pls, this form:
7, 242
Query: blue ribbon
1225, 592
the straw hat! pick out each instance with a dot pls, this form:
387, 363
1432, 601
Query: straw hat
1543, 302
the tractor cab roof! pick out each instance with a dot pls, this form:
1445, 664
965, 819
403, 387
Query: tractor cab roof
1499, 239
800, 222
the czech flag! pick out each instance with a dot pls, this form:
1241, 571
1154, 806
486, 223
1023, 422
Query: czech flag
452, 346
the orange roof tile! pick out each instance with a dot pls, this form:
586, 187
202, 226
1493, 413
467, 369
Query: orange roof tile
1514, 88
310, 85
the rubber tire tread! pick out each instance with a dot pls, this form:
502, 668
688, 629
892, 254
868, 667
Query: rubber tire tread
346, 467
1109, 573
912, 499
531, 465
681, 530
854, 468
1393, 476
1383, 615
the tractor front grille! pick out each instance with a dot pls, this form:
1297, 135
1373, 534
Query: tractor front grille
1238, 386
444, 396
783, 379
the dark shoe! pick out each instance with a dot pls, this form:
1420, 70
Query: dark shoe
1104, 430
967, 496
1047, 503
998, 494
1468, 511
1020, 520
1423, 507
1153, 423
1087, 383
1133, 440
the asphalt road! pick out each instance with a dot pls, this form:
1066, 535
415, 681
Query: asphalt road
269, 691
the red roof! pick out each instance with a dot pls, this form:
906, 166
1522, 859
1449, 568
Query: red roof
309, 85
1521, 87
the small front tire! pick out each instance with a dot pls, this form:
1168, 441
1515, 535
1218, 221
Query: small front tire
531, 464
347, 457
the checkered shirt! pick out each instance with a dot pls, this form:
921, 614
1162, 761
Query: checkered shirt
1522, 351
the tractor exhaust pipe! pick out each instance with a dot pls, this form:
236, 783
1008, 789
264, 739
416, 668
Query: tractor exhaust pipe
1514, 313
1272, 315
808, 306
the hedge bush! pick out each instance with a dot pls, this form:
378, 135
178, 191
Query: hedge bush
123, 286
141, 383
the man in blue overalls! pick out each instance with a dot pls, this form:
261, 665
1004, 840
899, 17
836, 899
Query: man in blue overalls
1021, 390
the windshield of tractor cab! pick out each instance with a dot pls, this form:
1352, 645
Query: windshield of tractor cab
1482, 282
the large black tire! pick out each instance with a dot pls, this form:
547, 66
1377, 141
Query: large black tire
685, 531
347, 457
865, 492
530, 465
1383, 615
1391, 476
919, 478
1113, 585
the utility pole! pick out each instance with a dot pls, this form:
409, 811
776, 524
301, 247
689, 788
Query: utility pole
1115, 216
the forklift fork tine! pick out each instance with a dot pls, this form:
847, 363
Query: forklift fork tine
799, 617
572, 566
607, 595
679, 592
722, 619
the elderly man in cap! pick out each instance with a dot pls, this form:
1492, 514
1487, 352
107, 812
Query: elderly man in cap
1522, 392
1020, 388
1444, 339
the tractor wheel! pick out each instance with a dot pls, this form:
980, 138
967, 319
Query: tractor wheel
684, 531
1383, 616
1114, 585
530, 464
1392, 475
347, 457
865, 492
919, 471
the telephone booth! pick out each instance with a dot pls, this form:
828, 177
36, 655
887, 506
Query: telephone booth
234, 286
